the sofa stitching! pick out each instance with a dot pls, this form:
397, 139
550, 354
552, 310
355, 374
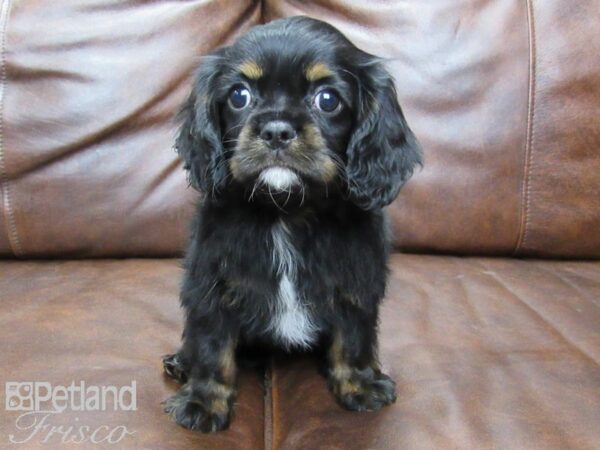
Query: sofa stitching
5, 185
530, 139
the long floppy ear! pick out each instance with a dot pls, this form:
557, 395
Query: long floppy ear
199, 140
383, 151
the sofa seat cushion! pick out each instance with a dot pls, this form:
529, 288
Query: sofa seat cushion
486, 353
105, 323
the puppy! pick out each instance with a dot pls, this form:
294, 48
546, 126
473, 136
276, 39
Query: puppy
297, 140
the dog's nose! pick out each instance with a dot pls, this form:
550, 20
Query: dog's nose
278, 133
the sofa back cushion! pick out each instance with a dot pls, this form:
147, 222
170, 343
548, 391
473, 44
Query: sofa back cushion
90, 90
504, 97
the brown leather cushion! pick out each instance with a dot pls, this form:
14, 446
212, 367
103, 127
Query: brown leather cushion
503, 95
486, 353
106, 323
90, 95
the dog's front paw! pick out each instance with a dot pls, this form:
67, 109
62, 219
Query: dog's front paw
202, 408
363, 390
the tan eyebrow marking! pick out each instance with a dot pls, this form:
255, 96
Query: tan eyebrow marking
316, 71
251, 69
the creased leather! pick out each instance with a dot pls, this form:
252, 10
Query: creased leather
486, 353
106, 323
464, 71
461, 73
91, 93
561, 210
503, 98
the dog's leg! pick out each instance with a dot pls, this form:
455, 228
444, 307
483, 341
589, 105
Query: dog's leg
205, 401
354, 375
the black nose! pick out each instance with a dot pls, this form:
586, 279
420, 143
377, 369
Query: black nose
278, 133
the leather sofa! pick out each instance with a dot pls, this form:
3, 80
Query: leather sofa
491, 325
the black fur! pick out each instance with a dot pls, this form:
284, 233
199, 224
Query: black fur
350, 164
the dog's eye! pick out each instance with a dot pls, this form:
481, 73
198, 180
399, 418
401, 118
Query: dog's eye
327, 100
240, 97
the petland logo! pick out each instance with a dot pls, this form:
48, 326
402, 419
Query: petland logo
41, 403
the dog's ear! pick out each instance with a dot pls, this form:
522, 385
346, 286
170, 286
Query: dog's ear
383, 151
199, 140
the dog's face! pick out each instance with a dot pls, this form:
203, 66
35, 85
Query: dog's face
286, 117
294, 105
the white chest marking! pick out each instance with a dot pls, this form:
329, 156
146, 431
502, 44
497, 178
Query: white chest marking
291, 321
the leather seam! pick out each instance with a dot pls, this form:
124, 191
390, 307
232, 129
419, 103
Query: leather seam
530, 138
268, 408
11, 224
263, 12
274, 402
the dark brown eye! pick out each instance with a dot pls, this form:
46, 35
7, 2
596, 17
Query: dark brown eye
327, 100
240, 97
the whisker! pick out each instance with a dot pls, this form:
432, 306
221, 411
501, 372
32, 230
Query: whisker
288, 196
303, 189
251, 198
273, 198
232, 128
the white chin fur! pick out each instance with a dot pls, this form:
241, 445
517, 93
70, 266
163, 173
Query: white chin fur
279, 178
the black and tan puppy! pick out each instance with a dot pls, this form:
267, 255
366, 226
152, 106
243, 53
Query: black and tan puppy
297, 140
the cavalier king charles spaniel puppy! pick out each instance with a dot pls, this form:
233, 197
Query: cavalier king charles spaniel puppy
297, 140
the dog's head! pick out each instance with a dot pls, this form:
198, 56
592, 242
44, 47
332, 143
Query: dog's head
293, 105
